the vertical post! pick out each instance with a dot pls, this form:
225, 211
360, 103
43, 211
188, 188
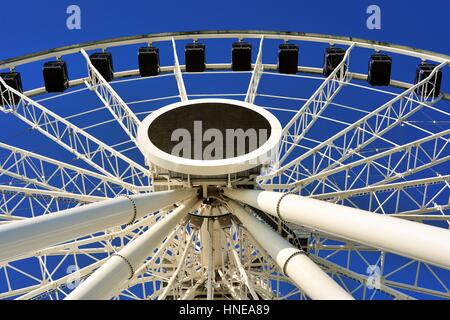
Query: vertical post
178, 75
209, 282
256, 75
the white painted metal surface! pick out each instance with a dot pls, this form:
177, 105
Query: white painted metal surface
407, 238
304, 272
25, 237
118, 108
103, 283
178, 74
257, 73
83, 145
263, 154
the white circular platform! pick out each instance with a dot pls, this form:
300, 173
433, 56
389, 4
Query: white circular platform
212, 114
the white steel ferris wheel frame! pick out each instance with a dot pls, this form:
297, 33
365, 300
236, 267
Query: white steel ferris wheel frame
257, 259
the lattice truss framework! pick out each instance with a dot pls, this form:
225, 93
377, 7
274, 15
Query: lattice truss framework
362, 164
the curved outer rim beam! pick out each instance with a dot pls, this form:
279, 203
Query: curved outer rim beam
208, 34
309, 277
27, 236
411, 239
106, 280
227, 66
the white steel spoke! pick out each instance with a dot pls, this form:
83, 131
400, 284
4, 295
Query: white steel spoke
118, 108
43, 231
304, 119
22, 202
178, 74
75, 140
104, 282
419, 196
332, 152
381, 231
258, 69
291, 259
241, 269
50, 174
390, 165
334, 268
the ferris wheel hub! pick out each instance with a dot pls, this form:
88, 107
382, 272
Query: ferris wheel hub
209, 136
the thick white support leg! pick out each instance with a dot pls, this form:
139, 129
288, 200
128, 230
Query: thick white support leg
120, 267
295, 263
407, 238
28, 236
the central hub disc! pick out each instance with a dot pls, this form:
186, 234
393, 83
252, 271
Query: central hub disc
209, 136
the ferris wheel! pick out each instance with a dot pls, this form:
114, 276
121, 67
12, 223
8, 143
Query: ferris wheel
229, 165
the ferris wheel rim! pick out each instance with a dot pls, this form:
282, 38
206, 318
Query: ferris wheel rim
204, 34
207, 34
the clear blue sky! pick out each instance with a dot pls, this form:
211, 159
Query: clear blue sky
37, 25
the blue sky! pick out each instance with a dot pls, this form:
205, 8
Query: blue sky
41, 25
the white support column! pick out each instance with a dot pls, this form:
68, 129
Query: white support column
178, 75
308, 276
411, 239
27, 236
105, 281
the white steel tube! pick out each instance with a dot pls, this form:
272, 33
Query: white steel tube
407, 238
120, 267
30, 235
308, 276
180, 266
